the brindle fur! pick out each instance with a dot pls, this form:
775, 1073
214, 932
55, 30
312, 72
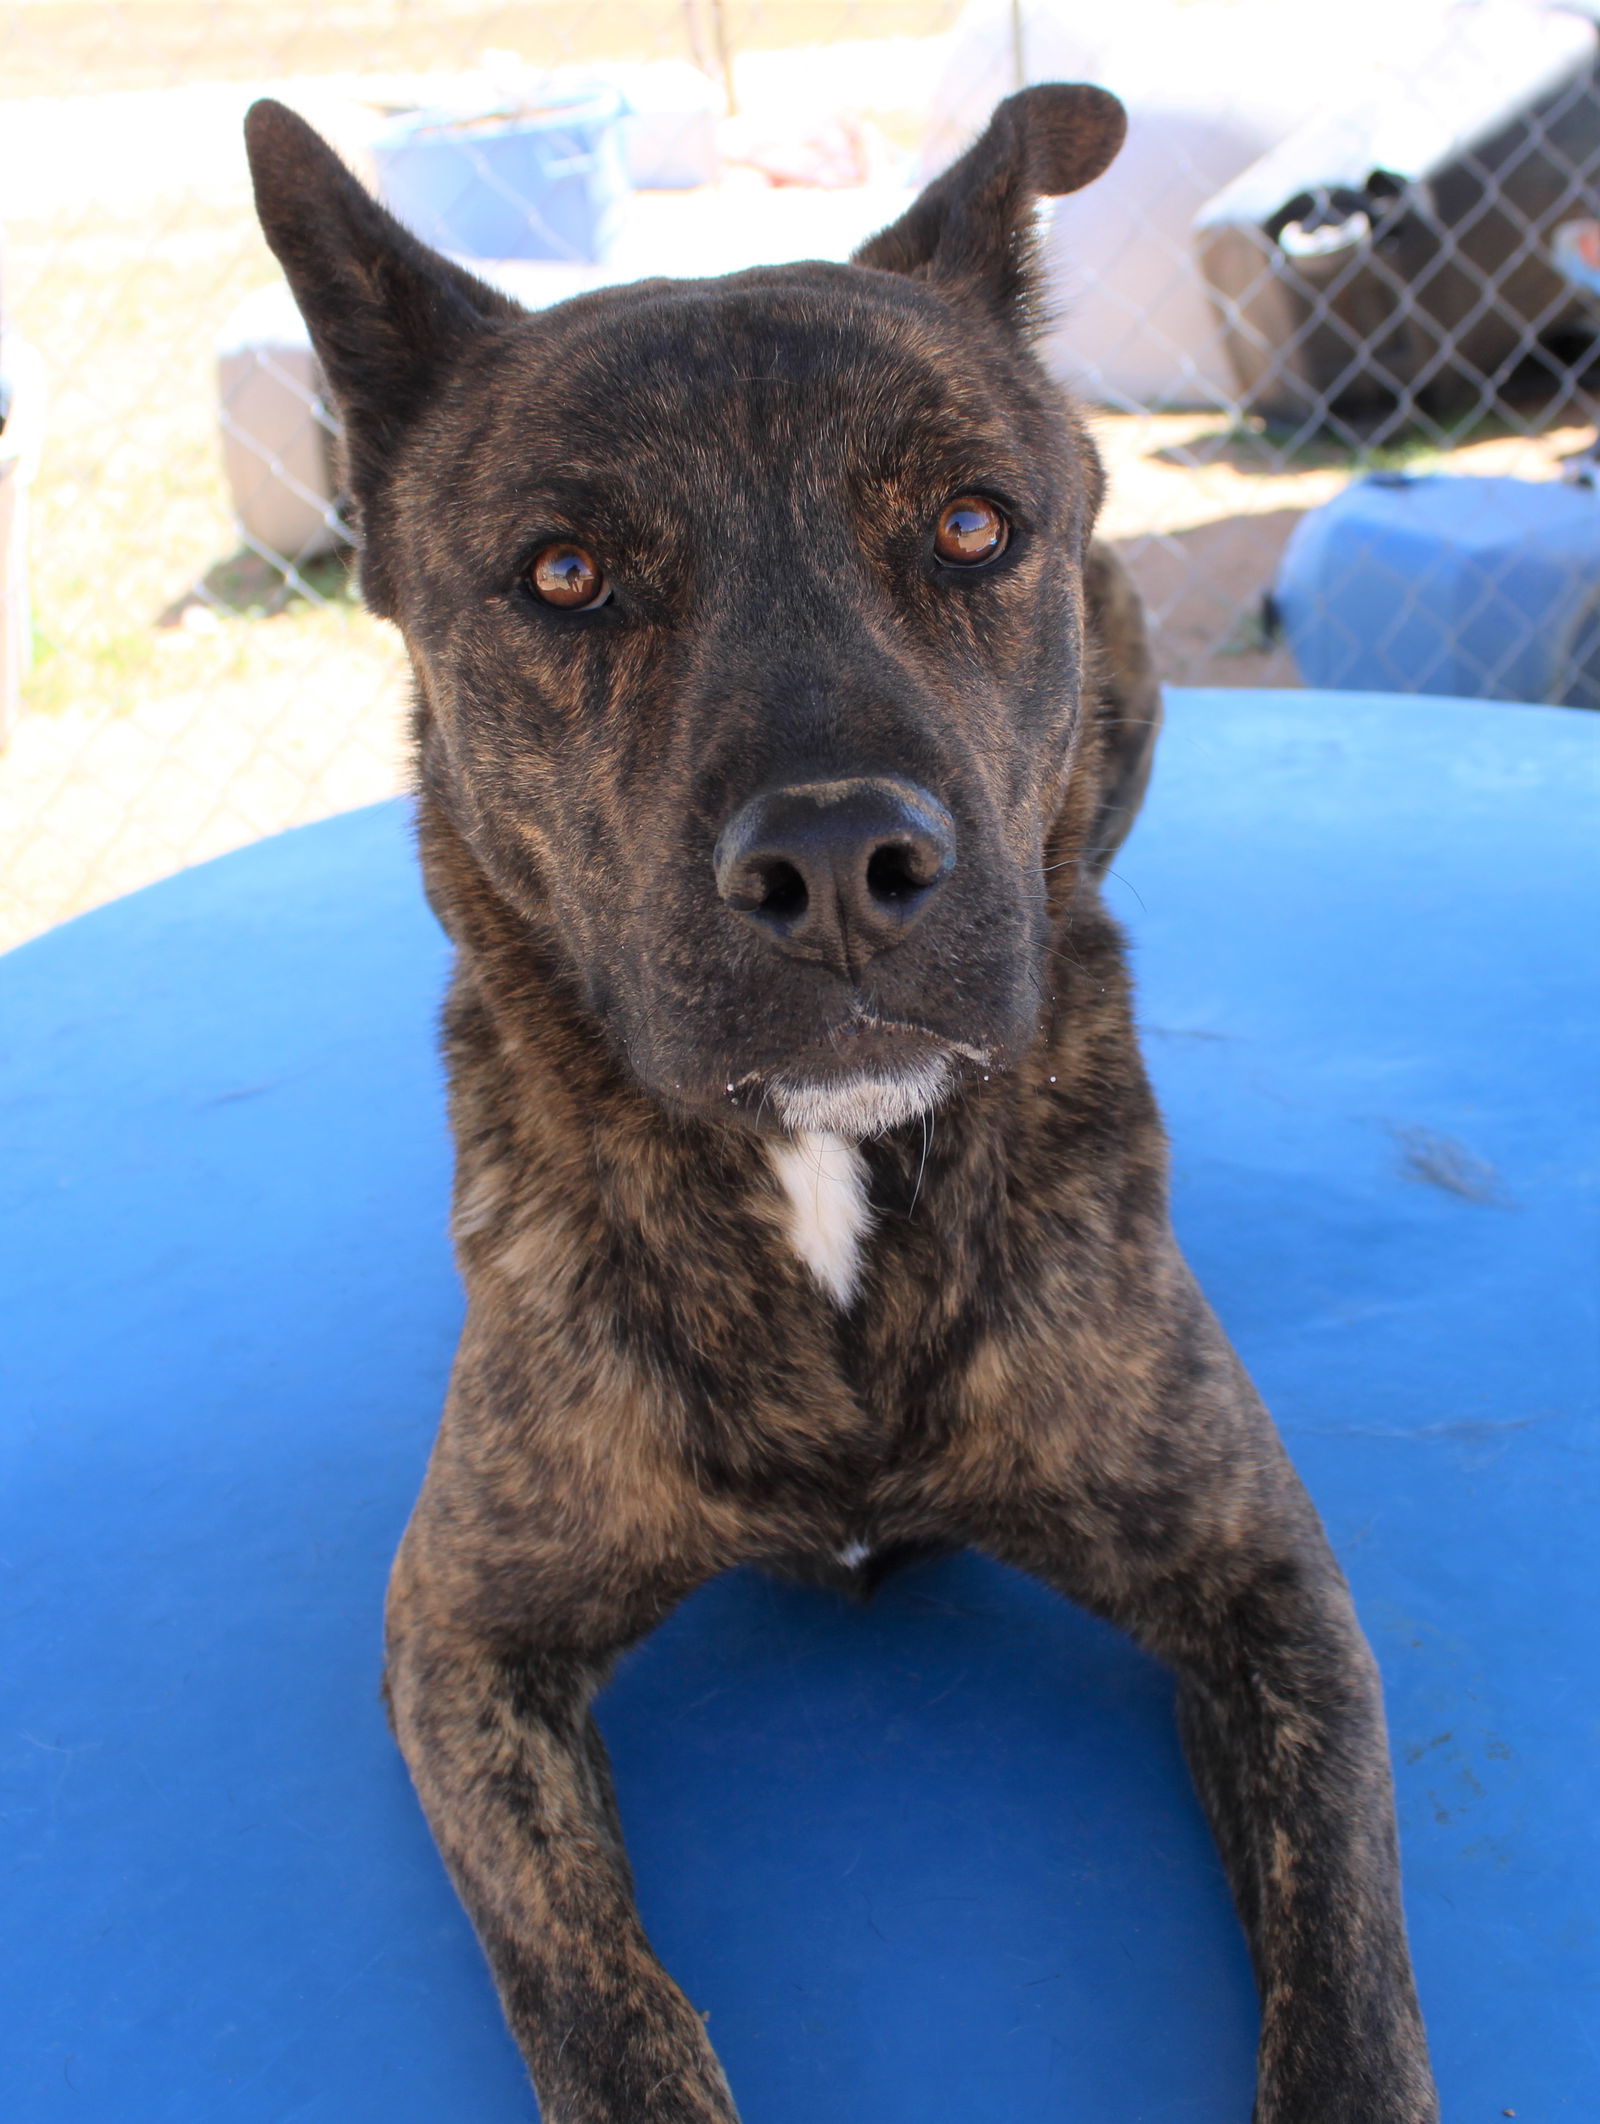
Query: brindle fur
650, 1386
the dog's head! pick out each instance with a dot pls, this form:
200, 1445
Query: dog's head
747, 616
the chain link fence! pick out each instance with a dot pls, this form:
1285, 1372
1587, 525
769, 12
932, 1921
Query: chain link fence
1335, 310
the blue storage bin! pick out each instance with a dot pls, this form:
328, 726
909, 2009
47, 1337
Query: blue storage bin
1440, 584
547, 182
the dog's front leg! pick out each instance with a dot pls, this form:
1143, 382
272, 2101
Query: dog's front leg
490, 1673
1190, 1528
1282, 1721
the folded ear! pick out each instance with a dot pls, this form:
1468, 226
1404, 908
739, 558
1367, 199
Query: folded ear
971, 233
385, 314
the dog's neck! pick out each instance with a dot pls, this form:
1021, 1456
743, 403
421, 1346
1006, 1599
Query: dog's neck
682, 1193
824, 1178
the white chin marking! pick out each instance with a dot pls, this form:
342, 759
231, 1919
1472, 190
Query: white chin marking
825, 1179
862, 1105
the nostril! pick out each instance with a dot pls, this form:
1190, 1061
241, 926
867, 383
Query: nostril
785, 897
835, 871
892, 874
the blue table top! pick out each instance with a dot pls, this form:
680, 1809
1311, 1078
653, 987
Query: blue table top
935, 1860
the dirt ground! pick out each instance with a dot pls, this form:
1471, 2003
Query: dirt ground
83, 47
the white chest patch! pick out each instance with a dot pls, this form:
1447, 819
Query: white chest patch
825, 1180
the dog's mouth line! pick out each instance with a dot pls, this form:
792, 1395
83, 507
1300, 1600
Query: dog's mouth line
865, 1022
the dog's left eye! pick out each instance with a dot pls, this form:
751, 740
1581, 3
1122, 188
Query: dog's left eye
970, 531
568, 577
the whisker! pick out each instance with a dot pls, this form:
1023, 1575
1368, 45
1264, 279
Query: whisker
927, 1142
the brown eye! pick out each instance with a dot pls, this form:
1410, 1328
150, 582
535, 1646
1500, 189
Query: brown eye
568, 577
970, 531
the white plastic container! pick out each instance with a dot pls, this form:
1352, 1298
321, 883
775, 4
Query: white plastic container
1210, 85
278, 430
1401, 255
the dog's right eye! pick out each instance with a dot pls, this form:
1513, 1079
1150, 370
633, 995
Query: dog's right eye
569, 578
970, 531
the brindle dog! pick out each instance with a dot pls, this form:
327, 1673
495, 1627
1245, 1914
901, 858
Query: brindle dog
811, 1199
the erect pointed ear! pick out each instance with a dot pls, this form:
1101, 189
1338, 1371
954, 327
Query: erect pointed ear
385, 313
971, 233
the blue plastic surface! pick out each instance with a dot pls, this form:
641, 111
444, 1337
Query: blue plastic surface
936, 1863
547, 184
1437, 584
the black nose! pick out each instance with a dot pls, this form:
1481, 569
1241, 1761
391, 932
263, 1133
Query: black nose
836, 871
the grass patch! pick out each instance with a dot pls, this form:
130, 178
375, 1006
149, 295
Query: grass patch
130, 511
